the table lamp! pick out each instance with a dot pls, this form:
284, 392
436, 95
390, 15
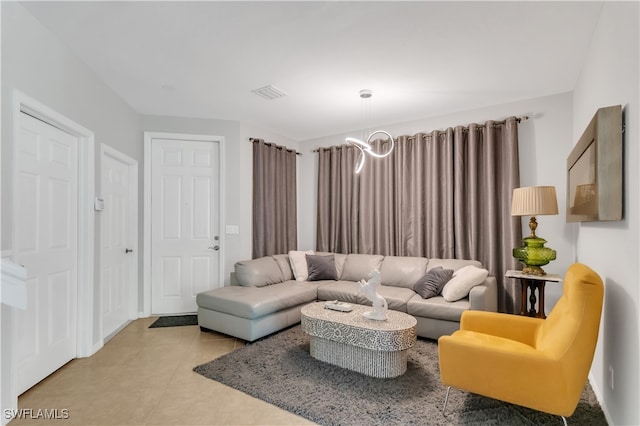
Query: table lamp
534, 201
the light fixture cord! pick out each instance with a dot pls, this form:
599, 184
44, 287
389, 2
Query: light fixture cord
365, 107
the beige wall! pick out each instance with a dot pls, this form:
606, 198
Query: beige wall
610, 77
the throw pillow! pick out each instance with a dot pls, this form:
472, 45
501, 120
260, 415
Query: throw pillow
432, 283
464, 279
321, 267
299, 264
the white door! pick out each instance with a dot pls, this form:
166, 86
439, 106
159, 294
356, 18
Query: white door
118, 223
184, 223
46, 210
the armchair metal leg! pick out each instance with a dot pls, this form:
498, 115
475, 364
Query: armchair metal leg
446, 399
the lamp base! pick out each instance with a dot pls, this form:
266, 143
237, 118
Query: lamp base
533, 270
533, 254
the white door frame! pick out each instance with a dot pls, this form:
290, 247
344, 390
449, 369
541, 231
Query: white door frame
86, 190
133, 222
148, 139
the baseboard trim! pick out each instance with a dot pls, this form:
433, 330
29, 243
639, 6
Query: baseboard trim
600, 397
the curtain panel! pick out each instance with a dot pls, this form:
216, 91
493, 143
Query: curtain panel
274, 199
444, 194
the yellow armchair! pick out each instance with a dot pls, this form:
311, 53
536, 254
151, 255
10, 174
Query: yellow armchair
532, 362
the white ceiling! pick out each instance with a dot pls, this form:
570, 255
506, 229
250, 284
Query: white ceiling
420, 59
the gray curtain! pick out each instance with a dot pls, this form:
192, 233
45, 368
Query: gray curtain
274, 199
338, 195
443, 194
486, 172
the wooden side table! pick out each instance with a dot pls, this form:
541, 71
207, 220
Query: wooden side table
532, 283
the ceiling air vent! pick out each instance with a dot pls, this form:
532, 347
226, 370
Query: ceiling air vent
269, 93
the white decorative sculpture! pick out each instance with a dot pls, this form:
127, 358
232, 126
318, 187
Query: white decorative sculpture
369, 288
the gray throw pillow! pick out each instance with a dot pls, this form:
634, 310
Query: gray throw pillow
321, 267
432, 283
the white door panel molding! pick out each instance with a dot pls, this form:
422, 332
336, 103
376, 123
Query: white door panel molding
119, 240
183, 220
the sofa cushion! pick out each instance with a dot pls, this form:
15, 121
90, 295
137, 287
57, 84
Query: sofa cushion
437, 308
299, 264
463, 280
358, 266
432, 282
454, 264
285, 266
321, 267
397, 297
258, 272
345, 291
256, 302
349, 291
402, 271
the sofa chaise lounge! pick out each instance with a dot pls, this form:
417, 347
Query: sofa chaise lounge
265, 297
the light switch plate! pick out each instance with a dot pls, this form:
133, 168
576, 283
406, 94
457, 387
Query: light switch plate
232, 230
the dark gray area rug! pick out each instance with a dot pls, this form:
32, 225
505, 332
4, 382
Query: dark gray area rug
279, 370
175, 321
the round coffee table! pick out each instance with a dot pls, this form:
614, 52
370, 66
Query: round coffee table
349, 340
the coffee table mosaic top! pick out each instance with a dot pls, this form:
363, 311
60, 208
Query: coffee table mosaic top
398, 332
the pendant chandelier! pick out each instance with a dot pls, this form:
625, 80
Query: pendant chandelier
365, 147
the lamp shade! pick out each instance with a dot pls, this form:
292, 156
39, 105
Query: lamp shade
534, 201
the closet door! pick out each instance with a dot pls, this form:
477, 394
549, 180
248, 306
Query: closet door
46, 242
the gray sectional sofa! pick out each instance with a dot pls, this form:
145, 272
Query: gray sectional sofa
264, 296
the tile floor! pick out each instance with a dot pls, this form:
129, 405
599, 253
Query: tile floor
143, 376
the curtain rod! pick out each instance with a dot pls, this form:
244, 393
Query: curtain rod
518, 119
254, 140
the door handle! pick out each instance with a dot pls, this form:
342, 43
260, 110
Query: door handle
128, 251
216, 248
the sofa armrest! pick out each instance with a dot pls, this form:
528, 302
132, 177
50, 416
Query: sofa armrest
233, 279
259, 272
484, 297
